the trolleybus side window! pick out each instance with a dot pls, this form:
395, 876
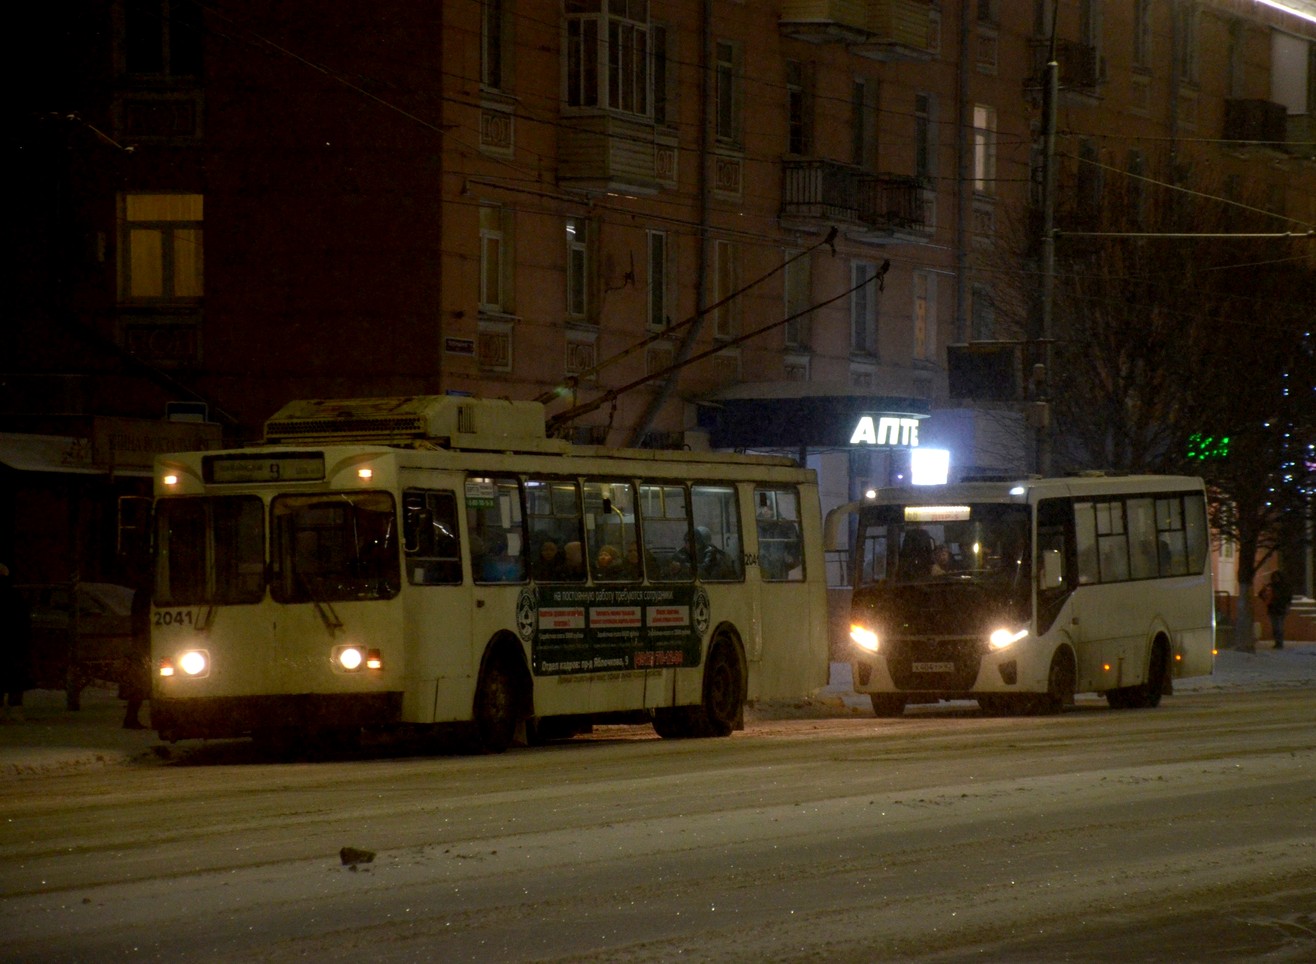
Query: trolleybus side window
211, 550
611, 535
431, 541
553, 511
781, 544
717, 532
666, 522
496, 529
334, 546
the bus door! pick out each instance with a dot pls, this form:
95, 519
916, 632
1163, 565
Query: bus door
785, 596
436, 632
619, 613
1106, 625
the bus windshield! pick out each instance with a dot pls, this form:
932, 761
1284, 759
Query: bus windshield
962, 544
211, 551
333, 546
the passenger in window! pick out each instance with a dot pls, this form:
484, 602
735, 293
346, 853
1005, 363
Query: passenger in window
498, 565
573, 564
550, 563
942, 563
608, 563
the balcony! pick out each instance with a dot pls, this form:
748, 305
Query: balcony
893, 206
611, 154
817, 194
825, 21
879, 29
1082, 70
1255, 124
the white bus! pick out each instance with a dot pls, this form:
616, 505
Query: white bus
437, 560
1020, 594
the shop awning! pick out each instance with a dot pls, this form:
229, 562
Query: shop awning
62, 454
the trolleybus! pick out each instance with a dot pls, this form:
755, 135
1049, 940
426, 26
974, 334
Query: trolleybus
435, 560
1020, 594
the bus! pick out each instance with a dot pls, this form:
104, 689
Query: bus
381, 563
1020, 594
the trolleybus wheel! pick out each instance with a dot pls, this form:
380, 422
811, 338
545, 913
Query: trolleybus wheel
724, 689
887, 704
495, 707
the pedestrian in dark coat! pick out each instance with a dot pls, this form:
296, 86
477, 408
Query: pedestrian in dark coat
1278, 596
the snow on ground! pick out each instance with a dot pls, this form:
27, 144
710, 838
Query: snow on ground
55, 738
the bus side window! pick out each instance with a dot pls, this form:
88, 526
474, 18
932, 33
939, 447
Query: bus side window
429, 529
781, 555
717, 532
496, 529
610, 531
1085, 532
666, 525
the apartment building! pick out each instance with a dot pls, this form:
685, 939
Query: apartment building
724, 223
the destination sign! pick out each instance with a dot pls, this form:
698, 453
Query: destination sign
284, 467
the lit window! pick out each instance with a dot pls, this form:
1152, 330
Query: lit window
160, 257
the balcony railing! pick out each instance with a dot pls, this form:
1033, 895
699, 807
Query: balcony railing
892, 202
1081, 68
819, 190
828, 192
1255, 123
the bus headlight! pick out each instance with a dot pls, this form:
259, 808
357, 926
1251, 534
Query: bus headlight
353, 658
864, 637
1001, 638
192, 663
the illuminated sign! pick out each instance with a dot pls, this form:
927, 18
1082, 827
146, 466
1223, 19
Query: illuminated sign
289, 467
936, 513
890, 430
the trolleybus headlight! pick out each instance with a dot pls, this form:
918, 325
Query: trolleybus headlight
864, 637
1001, 638
349, 658
193, 663
352, 658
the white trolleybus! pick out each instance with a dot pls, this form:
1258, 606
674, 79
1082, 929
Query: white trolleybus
437, 560
1021, 594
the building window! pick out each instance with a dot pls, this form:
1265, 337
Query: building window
984, 149
1142, 37
659, 314
725, 282
493, 259
662, 61
925, 147
1090, 31
162, 38
160, 257
798, 284
1137, 204
607, 55
1185, 39
925, 315
726, 75
797, 108
863, 123
492, 32
983, 320
578, 268
863, 308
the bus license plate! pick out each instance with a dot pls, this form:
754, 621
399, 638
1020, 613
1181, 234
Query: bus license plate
933, 667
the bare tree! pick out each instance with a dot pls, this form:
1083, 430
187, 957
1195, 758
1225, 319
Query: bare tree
1175, 333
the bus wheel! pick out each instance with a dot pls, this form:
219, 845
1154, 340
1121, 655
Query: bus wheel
495, 707
1149, 693
724, 691
1060, 683
888, 704
673, 722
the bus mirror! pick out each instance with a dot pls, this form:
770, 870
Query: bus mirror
1053, 569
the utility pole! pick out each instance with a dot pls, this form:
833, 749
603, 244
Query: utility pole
1040, 410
